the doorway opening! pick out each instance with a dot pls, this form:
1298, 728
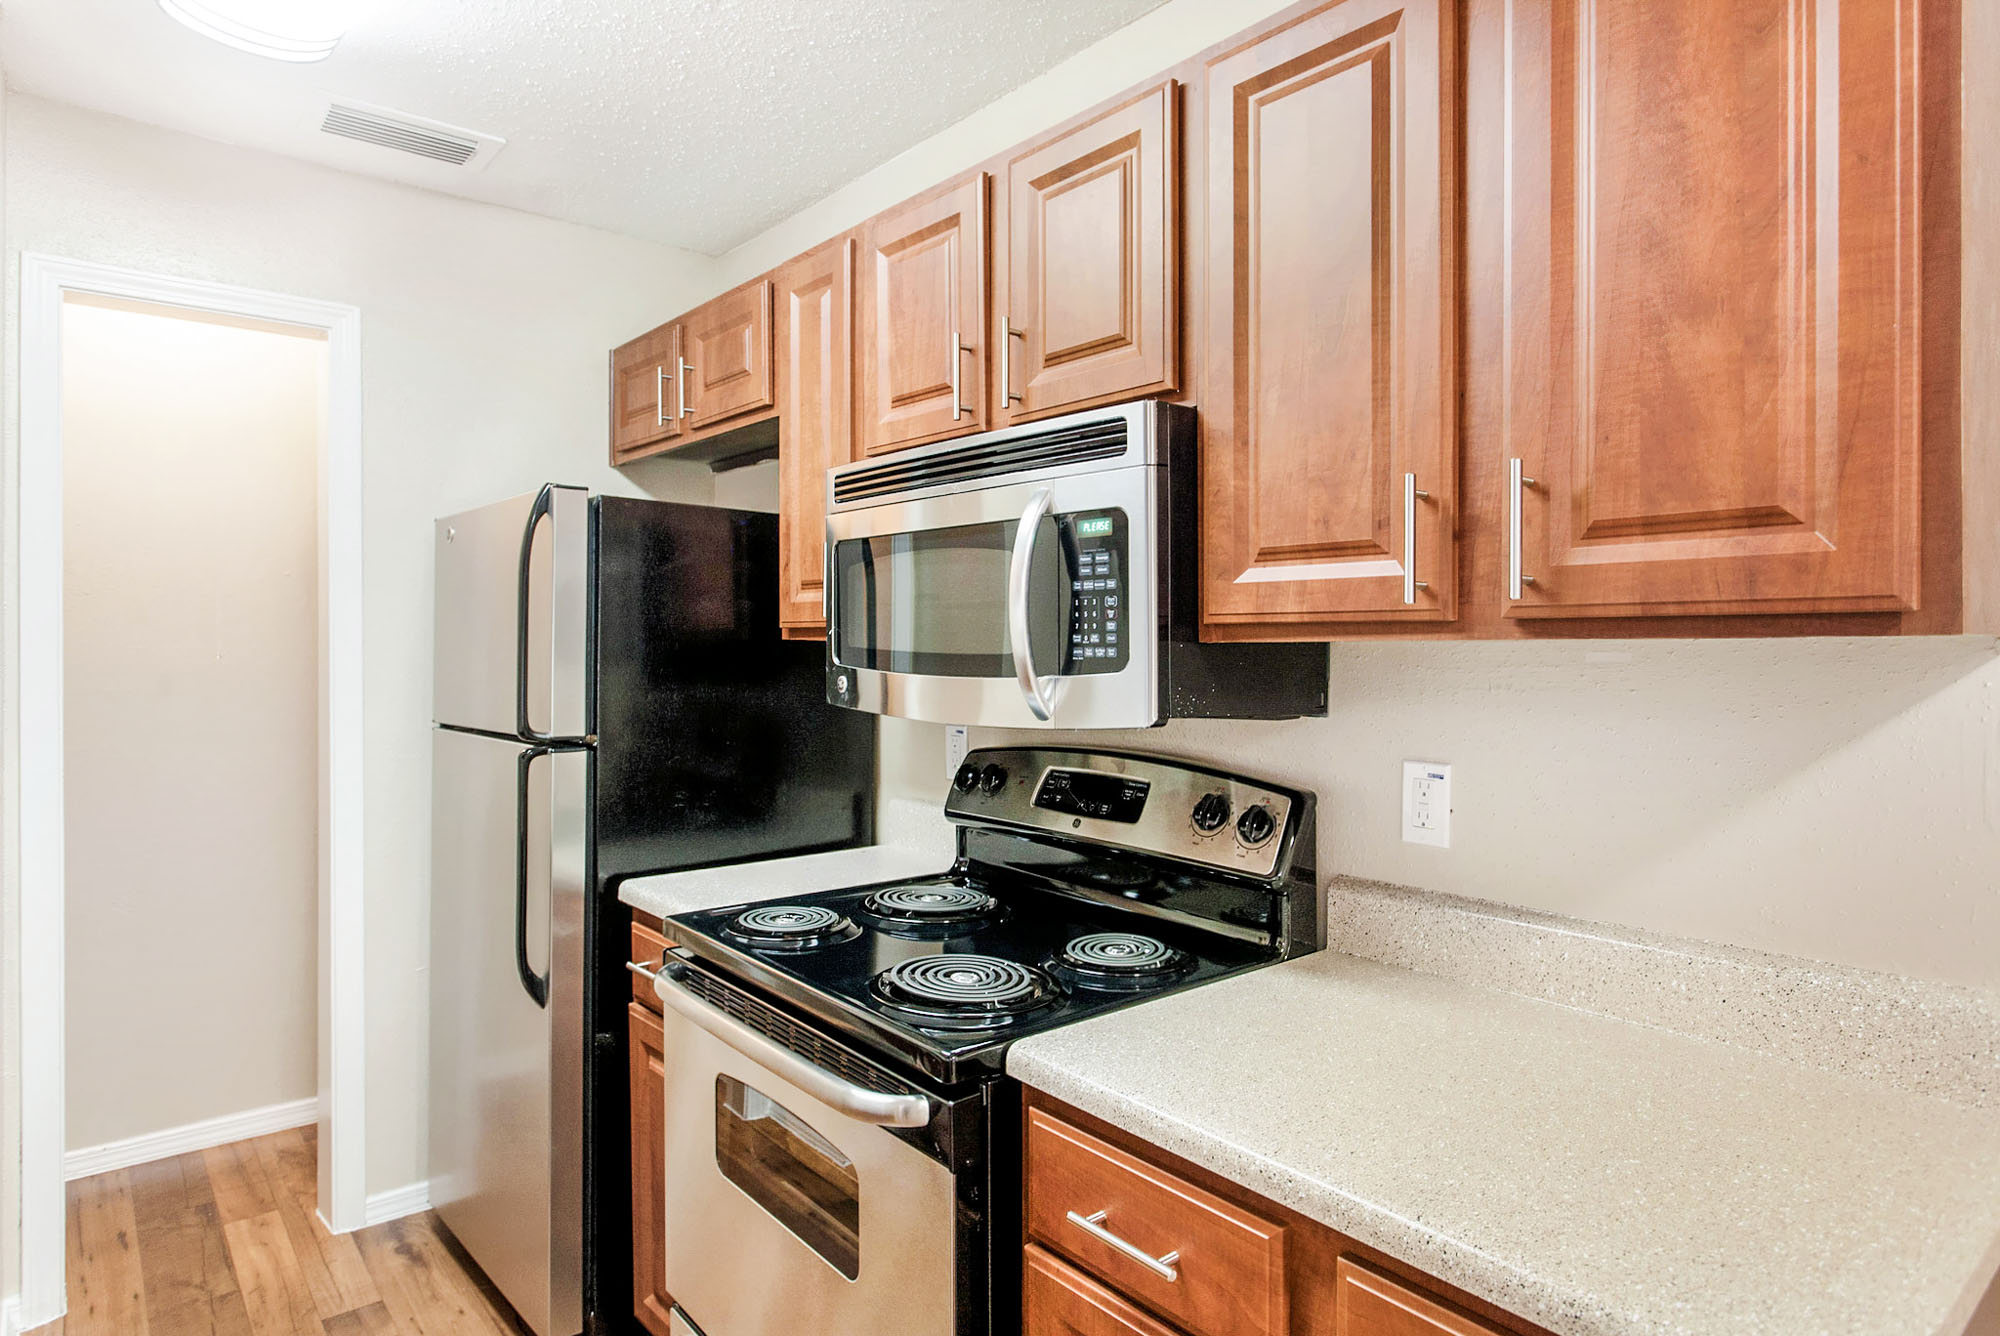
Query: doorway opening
190, 728
188, 748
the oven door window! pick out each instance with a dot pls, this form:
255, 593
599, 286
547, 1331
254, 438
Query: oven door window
934, 602
793, 1172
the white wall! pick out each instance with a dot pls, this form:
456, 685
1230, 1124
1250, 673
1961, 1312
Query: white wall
190, 726
484, 334
1834, 799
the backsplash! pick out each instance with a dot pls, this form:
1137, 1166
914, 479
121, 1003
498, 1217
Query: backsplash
1834, 799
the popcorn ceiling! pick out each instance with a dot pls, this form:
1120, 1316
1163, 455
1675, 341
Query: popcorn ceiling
693, 124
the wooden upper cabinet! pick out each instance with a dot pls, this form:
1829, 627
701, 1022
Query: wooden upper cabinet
727, 346
816, 421
1368, 1302
1090, 299
1330, 367
645, 400
1712, 357
922, 365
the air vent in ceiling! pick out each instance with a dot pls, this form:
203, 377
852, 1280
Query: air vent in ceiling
410, 134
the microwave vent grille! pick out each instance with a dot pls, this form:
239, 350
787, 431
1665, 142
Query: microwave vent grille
989, 459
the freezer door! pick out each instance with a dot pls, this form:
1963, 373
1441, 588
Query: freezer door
512, 612
507, 1027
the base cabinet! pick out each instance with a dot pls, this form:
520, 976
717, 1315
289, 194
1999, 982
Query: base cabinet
1123, 1239
651, 1304
1059, 1300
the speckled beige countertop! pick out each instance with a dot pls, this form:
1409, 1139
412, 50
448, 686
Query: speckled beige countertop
1596, 1176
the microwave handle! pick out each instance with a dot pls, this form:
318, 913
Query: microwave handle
1040, 702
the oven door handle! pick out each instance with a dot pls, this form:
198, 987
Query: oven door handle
1041, 701
863, 1105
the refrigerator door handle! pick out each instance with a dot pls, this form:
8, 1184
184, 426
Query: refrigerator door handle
536, 514
543, 508
535, 985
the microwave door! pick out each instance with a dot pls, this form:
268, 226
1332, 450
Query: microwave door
1008, 606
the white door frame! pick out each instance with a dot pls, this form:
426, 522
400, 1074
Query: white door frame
36, 516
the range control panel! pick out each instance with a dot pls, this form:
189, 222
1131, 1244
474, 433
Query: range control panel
1149, 804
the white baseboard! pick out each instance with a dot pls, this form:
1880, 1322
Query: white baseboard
10, 1315
191, 1136
398, 1202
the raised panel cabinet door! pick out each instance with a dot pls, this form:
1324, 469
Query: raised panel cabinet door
1330, 373
815, 421
728, 350
645, 392
1369, 1303
1713, 312
1059, 1300
651, 1304
1090, 304
922, 366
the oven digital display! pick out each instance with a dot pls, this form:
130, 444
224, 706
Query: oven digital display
1088, 793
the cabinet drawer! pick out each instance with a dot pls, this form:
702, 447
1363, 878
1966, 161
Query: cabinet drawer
1226, 1276
1059, 1300
647, 945
1369, 1303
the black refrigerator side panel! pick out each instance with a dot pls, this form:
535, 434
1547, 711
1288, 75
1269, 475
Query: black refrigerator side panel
715, 744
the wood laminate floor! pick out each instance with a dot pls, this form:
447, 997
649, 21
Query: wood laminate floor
225, 1242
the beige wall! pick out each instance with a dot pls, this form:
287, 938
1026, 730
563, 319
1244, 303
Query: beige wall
1835, 799
484, 333
190, 640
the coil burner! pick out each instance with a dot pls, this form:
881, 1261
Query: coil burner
931, 907
1119, 960
791, 928
964, 992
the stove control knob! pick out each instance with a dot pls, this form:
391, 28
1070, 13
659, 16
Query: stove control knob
967, 778
1255, 825
1211, 812
993, 779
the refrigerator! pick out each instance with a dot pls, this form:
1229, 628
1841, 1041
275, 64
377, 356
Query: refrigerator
610, 698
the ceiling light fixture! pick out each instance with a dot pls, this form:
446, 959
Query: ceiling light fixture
294, 30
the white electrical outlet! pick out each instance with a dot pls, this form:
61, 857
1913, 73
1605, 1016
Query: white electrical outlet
1427, 803
954, 748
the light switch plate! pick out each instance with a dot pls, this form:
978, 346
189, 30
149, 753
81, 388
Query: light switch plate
1427, 803
954, 748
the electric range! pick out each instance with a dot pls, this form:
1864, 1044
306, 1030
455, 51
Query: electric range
841, 1138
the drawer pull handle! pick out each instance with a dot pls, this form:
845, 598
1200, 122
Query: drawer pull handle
642, 971
1093, 1225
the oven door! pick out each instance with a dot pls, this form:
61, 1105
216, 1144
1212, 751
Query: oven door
1029, 606
790, 1206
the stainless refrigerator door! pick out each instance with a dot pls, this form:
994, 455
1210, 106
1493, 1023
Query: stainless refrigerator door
491, 664
506, 1097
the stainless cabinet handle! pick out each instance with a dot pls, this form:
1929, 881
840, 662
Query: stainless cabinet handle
1515, 483
877, 1107
1093, 1225
1411, 584
1040, 703
659, 396
642, 971
683, 379
959, 348
1008, 335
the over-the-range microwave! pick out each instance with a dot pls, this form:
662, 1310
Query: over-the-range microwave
1043, 576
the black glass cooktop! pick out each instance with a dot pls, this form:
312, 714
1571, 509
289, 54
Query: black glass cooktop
943, 973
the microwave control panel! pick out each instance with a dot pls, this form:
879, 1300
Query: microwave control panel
1095, 555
